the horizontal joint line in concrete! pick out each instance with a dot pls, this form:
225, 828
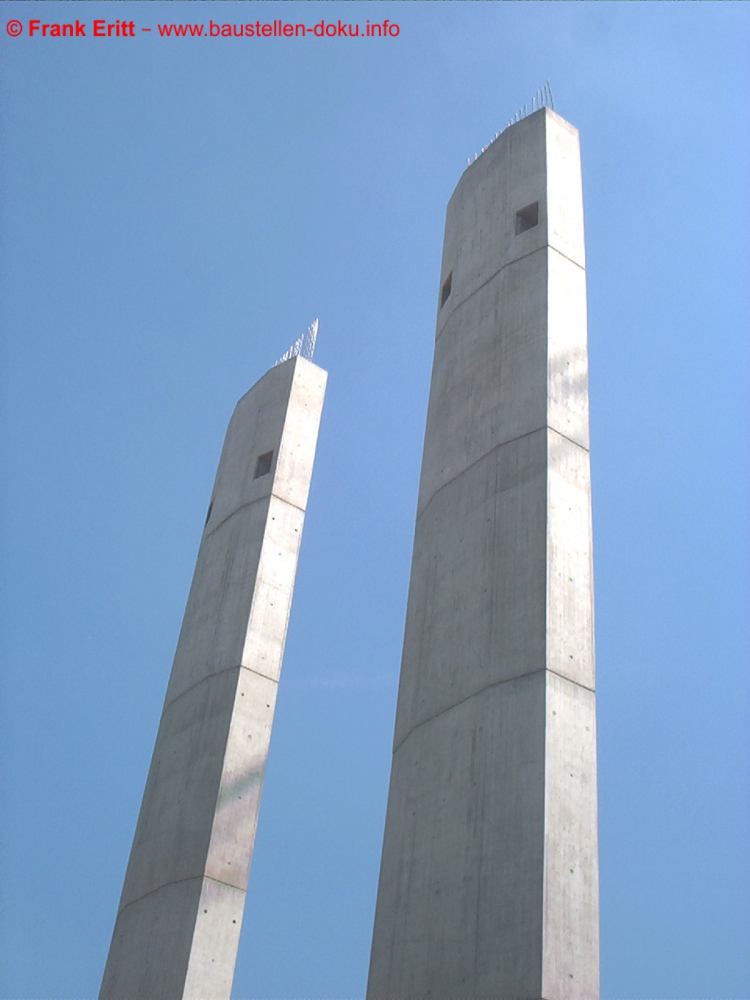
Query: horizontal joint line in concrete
547, 246
242, 506
488, 687
218, 673
462, 303
570, 259
568, 439
570, 680
500, 444
177, 881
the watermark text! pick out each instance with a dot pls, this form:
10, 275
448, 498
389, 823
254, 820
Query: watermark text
102, 28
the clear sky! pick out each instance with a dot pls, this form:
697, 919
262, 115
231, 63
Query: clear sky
175, 212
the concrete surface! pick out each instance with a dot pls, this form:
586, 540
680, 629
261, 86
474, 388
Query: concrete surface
180, 913
489, 877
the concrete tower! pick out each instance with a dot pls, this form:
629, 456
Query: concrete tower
178, 923
489, 878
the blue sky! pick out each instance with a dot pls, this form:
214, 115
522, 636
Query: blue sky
175, 212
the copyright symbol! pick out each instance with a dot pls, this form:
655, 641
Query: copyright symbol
14, 28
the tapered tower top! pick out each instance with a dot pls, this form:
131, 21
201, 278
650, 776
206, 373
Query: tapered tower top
521, 194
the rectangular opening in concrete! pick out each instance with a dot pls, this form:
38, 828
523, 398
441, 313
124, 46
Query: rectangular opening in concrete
446, 290
263, 465
527, 218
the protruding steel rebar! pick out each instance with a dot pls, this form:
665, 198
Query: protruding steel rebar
542, 99
304, 345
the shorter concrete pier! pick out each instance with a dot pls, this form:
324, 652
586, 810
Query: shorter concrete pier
179, 918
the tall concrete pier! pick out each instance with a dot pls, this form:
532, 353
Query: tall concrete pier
489, 879
178, 923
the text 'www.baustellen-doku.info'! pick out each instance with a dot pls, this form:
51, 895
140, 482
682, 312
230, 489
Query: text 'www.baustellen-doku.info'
101, 28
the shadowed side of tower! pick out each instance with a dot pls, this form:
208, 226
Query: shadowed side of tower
178, 923
489, 876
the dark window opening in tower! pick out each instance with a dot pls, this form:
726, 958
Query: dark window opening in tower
263, 465
527, 218
446, 290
